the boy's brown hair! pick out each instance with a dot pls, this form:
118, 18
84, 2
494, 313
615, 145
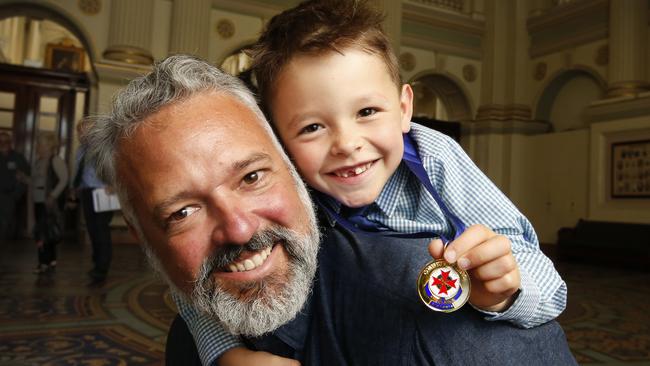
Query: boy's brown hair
315, 27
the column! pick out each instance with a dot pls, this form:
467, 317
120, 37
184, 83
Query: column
129, 35
33, 55
628, 40
392, 10
190, 27
504, 109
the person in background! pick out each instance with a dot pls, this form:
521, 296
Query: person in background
49, 179
97, 223
14, 171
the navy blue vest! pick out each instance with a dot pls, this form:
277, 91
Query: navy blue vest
365, 310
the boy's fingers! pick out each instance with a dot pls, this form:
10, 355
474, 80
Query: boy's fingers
496, 269
505, 286
436, 248
471, 237
490, 250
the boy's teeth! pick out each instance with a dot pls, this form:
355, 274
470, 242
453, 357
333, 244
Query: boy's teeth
252, 262
356, 171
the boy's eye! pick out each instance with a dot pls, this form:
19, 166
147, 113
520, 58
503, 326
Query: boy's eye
365, 112
183, 213
310, 128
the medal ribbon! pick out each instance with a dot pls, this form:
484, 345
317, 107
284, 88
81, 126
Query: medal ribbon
412, 160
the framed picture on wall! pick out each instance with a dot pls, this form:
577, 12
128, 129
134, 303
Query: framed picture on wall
64, 57
631, 169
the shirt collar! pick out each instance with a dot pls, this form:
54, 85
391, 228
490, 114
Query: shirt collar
388, 199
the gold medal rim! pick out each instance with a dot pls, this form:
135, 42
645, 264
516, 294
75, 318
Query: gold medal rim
465, 284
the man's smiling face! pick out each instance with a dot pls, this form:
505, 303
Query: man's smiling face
216, 203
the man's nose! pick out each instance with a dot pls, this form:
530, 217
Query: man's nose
236, 222
346, 141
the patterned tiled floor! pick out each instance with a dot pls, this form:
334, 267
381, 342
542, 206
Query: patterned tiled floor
58, 320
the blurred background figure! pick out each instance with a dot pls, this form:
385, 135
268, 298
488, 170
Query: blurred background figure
14, 171
49, 179
97, 223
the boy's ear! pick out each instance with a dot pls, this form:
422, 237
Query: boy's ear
406, 107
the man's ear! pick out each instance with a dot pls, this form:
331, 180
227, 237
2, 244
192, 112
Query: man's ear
406, 107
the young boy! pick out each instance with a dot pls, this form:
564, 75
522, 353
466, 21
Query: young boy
330, 84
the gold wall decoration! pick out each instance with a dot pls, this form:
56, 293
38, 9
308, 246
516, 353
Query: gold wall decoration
407, 61
540, 71
90, 7
225, 28
602, 55
64, 57
469, 73
631, 169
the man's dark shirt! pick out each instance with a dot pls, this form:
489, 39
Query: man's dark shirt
10, 165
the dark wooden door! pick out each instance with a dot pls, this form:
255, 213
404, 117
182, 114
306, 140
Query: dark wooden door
35, 100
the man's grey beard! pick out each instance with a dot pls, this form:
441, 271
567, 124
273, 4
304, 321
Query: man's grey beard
268, 303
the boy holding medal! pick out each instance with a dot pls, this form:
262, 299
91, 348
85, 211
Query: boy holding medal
330, 84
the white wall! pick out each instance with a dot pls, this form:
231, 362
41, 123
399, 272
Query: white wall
550, 180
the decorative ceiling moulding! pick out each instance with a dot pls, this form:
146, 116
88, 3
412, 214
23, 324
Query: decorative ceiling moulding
500, 112
627, 88
431, 28
257, 8
618, 108
407, 61
442, 18
567, 26
453, 5
469, 73
90, 7
129, 55
225, 28
120, 72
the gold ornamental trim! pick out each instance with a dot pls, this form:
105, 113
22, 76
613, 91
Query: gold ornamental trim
627, 88
129, 55
500, 112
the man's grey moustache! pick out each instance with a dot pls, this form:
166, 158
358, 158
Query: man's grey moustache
260, 240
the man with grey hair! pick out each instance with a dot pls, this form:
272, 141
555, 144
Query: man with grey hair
204, 185
222, 214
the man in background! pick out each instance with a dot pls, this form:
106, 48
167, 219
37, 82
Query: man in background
13, 172
97, 223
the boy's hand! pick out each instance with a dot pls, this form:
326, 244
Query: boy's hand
240, 356
488, 259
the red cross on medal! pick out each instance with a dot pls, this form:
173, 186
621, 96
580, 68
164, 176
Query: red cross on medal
443, 286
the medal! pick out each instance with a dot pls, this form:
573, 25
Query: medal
443, 286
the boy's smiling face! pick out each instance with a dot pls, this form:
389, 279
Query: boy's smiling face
341, 118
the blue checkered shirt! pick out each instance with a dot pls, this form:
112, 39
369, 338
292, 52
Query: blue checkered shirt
404, 205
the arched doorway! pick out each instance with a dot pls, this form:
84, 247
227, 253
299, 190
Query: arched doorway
564, 99
46, 74
440, 103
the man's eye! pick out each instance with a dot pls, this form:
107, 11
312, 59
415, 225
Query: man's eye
252, 177
310, 128
183, 213
365, 112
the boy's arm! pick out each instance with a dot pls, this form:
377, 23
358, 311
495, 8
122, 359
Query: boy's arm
212, 341
476, 200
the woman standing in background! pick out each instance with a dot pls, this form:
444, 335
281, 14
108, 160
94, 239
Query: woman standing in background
49, 179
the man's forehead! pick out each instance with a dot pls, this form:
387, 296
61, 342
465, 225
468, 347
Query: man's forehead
208, 127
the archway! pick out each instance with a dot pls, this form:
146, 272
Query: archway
439, 96
440, 103
565, 97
